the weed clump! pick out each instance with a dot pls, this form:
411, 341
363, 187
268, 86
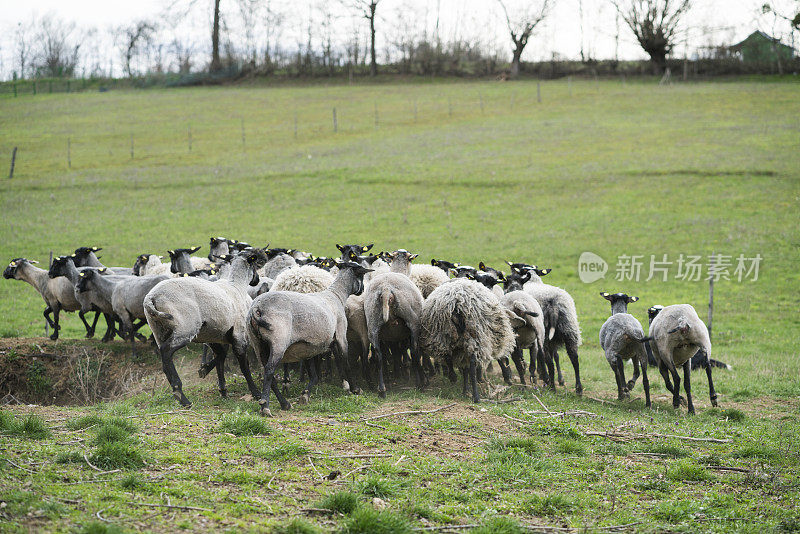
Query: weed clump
367, 520
117, 456
343, 502
687, 470
283, 452
297, 526
240, 424
374, 486
499, 525
31, 426
549, 505
79, 423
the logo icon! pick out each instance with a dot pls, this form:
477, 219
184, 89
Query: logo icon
591, 267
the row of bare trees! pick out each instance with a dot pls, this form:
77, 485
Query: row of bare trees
51, 47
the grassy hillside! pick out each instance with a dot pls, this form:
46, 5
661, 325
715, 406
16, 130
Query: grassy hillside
465, 172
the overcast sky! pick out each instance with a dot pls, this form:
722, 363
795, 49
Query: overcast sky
710, 22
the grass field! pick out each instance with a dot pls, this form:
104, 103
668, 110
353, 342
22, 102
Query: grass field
461, 171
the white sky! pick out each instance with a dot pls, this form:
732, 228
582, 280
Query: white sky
710, 22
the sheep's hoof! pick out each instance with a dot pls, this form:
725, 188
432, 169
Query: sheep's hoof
265, 412
223, 393
630, 385
382, 394
453, 377
89, 335
203, 371
54, 335
562, 383
714, 402
180, 397
305, 398
691, 411
355, 390
578, 390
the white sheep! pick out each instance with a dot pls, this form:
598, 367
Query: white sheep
464, 325
529, 333
427, 278
678, 334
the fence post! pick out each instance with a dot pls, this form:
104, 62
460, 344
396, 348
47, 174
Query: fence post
243, 139
335, 123
295, 124
376, 114
189, 136
538, 91
69, 153
13, 161
15, 90
131, 146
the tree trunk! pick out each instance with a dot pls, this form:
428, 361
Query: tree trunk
658, 58
515, 60
373, 66
216, 64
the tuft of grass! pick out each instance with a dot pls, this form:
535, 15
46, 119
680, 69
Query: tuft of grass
117, 456
553, 505
524, 444
687, 470
240, 424
111, 433
675, 511
343, 502
31, 426
296, 526
499, 525
79, 423
131, 481
123, 423
732, 414
70, 457
571, 447
367, 520
375, 486
760, 451
96, 527
283, 452
6, 421
673, 451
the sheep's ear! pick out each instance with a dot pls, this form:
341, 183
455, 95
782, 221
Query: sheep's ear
171, 252
605, 295
102, 270
194, 249
32, 261
72, 255
340, 247
413, 257
433, 262
516, 320
526, 277
542, 272
369, 247
632, 299
81, 274
482, 266
95, 249
501, 276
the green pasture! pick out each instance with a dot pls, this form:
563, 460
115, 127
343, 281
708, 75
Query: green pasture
468, 172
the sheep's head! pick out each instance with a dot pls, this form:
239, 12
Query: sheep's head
59, 266
141, 261
652, 311
218, 245
485, 279
85, 276
446, 266
515, 281
358, 275
462, 271
494, 272
82, 255
180, 253
348, 251
275, 252
239, 246
402, 255
619, 301
13, 267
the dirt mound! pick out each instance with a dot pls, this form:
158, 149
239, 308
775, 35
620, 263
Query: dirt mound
40, 371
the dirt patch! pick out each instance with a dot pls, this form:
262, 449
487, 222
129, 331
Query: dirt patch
40, 371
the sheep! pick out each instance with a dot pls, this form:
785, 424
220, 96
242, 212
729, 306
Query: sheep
218, 246
427, 278
181, 260
499, 275
392, 306
305, 279
286, 327
464, 325
277, 261
560, 316
101, 291
446, 266
150, 265
85, 257
698, 360
678, 334
127, 297
529, 333
622, 338
65, 266
58, 293
181, 310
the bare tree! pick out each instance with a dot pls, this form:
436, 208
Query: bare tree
22, 37
132, 40
521, 26
655, 24
367, 8
58, 50
216, 64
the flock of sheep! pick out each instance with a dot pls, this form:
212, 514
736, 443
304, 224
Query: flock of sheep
380, 313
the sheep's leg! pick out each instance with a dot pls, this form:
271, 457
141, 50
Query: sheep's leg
573, 356
540, 364
220, 354
645, 382
379, 350
313, 375
265, 389
56, 326
620, 386
339, 353
712, 393
110, 328
505, 368
519, 361
285, 404
136, 327
535, 370
286, 377
473, 366
632, 382
551, 373
168, 365
687, 385
204, 359
622, 392
89, 331
676, 397
365, 370
558, 368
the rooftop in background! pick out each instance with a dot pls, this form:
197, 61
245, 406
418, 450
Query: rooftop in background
759, 47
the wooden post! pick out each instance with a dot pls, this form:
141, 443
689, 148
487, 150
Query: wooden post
295, 124
376, 114
415, 110
569, 84
480, 99
243, 138
335, 123
449, 106
69, 153
189, 137
15, 90
13, 161
131, 146
710, 296
538, 91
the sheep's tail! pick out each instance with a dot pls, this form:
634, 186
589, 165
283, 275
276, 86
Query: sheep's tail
551, 320
150, 306
699, 360
386, 301
651, 359
683, 326
459, 321
722, 365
